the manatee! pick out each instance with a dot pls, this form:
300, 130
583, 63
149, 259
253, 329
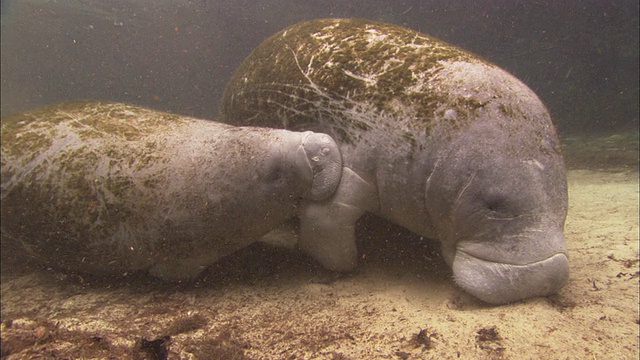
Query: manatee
110, 189
433, 138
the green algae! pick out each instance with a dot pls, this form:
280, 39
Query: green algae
67, 171
327, 68
348, 77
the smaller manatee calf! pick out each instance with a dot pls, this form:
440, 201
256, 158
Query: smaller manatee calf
110, 188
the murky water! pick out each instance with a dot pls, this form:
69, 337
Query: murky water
271, 303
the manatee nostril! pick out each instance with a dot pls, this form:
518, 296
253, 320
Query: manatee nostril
325, 160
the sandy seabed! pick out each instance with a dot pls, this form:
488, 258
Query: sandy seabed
268, 303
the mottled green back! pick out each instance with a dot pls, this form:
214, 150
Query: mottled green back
335, 75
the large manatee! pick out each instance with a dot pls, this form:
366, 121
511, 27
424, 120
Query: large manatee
433, 138
110, 188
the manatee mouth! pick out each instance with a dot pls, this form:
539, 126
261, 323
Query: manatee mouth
501, 283
325, 160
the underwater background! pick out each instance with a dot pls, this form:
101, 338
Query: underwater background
579, 56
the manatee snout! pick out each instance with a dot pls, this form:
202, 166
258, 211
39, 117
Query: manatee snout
325, 161
501, 283
500, 268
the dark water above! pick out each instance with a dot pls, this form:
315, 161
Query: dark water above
580, 57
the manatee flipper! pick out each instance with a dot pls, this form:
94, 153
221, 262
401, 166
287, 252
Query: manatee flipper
284, 236
327, 230
180, 269
321, 155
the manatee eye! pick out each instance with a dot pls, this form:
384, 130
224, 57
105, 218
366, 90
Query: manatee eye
274, 173
271, 171
499, 207
494, 206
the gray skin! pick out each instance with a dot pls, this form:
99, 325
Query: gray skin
433, 139
111, 189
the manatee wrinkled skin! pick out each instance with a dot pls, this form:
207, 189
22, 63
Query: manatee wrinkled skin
110, 188
433, 139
